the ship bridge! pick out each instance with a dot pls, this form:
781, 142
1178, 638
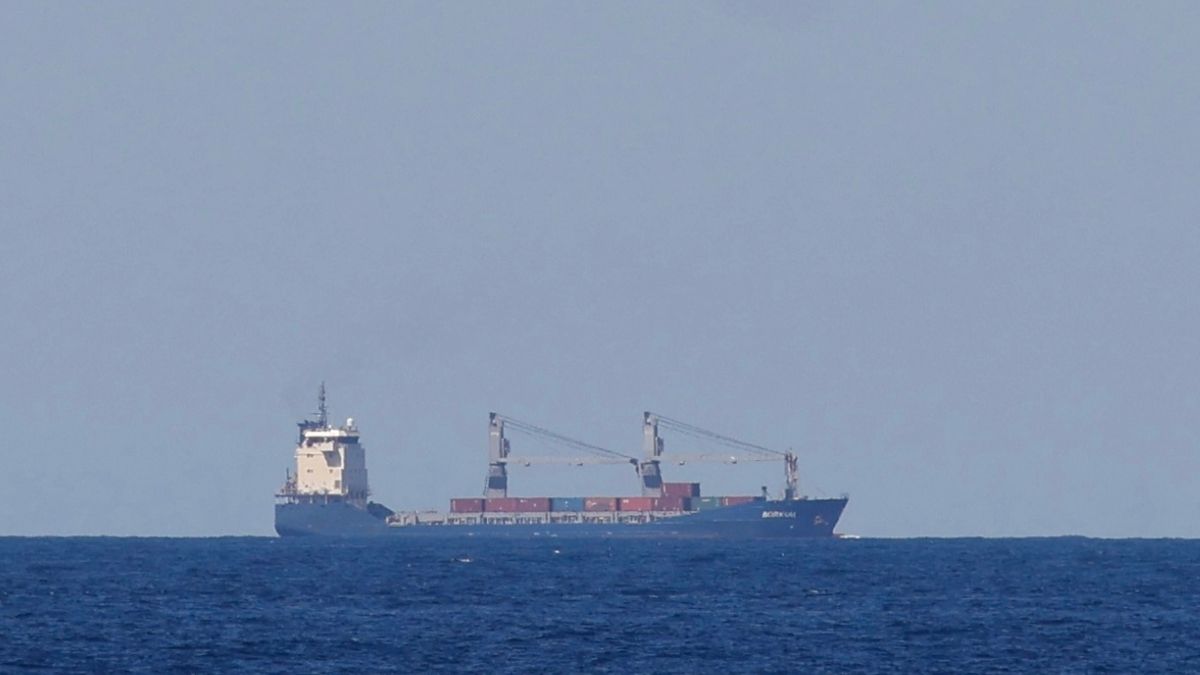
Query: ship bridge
331, 464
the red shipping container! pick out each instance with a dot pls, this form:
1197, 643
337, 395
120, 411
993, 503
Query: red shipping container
637, 503
670, 503
466, 505
600, 504
518, 504
501, 505
681, 489
734, 501
533, 504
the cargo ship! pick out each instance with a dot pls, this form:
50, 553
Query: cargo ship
328, 494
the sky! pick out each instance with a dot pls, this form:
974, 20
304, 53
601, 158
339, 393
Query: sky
947, 252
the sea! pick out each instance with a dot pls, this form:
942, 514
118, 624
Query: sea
267, 605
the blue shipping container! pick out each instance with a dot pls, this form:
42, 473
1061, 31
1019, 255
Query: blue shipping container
566, 503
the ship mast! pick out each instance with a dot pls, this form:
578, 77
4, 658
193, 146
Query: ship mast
322, 421
322, 411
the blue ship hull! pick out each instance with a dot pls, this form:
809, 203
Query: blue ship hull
759, 519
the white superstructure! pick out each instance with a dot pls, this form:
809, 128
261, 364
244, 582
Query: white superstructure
331, 464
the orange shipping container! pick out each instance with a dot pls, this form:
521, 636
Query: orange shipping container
734, 501
637, 503
600, 504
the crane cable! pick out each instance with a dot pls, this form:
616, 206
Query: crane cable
535, 430
695, 431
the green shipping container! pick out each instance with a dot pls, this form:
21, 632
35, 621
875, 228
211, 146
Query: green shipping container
706, 503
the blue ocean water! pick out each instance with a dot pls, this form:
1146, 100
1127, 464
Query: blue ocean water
561, 605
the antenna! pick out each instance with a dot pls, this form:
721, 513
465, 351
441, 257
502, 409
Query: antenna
322, 411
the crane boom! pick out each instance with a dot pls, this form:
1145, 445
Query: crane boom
716, 457
499, 457
750, 451
574, 461
693, 430
554, 436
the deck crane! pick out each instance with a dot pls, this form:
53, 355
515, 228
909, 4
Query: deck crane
499, 457
652, 447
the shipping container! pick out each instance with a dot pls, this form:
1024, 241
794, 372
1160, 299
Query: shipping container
734, 501
600, 504
466, 505
566, 503
637, 503
533, 504
670, 503
706, 503
500, 505
518, 504
681, 489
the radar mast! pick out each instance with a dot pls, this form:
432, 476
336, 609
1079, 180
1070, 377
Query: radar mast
322, 411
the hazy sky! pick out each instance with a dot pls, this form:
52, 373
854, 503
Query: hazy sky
947, 252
